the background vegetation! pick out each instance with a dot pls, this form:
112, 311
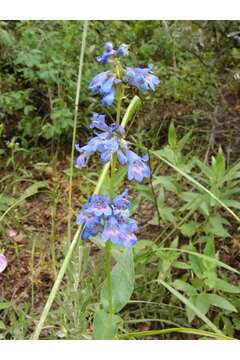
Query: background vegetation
191, 125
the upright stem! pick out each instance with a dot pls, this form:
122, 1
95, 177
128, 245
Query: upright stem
119, 101
131, 110
111, 194
108, 271
84, 36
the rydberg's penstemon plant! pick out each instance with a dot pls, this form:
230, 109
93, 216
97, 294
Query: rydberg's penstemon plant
107, 215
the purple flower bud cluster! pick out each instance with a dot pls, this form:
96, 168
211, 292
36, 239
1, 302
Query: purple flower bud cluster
108, 142
108, 218
104, 83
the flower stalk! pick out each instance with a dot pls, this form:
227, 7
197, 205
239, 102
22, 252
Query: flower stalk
108, 247
131, 110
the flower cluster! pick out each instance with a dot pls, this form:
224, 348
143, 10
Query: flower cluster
109, 52
108, 218
142, 78
104, 83
109, 141
99, 215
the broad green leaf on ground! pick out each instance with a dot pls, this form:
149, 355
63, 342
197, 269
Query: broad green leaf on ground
122, 280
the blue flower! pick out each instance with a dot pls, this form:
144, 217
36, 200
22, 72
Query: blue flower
108, 149
99, 122
98, 205
121, 200
81, 160
112, 231
103, 84
123, 50
137, 167
108, 99
121, 157
119, 232
92, 229
85, 151
142, 78
106, 143
110, 219
110, 140
109, 52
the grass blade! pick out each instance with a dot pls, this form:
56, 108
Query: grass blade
204, 257
175, 330
191, 306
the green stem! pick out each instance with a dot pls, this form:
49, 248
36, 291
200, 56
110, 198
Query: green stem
132, 108
119, 102
111, 194
84, 36
176, 330
108, 247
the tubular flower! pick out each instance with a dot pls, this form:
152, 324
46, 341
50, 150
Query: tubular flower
142, 78
109, 52
110, 140
103, 84
106, 143
108, 218
137, 167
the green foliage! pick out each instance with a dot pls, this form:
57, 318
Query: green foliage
182, 270
105, 325
122, 280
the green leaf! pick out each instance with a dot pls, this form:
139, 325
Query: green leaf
122, 280
34, 188
185, 287
215, 226
219, 163
30, 191
200, 256
181, 143
223, 285
105, 325
189, 229
197, 266
181, 265
166, 181
232, 203
145, 191
191, 306
202, 303
4, 305
220, 302
209, 249
166, 214
172, 137
195, 183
